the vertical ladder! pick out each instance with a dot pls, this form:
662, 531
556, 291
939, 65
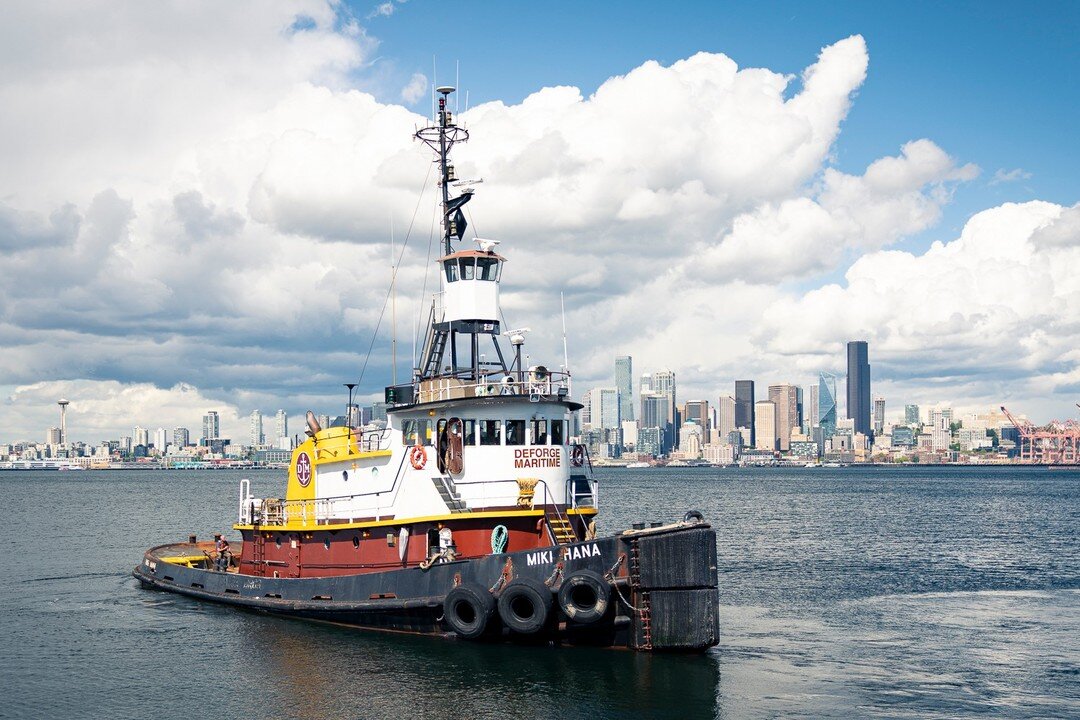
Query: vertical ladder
645, 611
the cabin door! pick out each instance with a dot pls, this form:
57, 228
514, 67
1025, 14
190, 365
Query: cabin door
294, 555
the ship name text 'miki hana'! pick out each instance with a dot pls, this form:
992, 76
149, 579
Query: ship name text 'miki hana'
470, 512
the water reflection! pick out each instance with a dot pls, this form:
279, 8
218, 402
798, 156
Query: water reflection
326, 671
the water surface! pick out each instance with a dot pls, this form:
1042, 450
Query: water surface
854, 592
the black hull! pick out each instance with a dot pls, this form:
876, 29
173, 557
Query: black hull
664, 594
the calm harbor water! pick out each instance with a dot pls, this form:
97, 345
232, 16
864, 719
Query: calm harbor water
854, 592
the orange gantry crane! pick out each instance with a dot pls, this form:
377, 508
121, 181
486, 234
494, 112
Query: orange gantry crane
1056, 443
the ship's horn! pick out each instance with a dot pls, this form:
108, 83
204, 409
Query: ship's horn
312, 423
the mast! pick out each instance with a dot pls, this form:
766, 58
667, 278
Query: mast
441, 137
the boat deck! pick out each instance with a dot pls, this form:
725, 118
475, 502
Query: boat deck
201, 555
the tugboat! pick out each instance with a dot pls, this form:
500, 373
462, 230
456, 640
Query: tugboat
470, 513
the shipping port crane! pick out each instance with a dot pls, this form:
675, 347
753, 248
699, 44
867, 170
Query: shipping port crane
1057, 443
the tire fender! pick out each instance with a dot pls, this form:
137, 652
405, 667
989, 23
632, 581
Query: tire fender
584, 596
467, 609
525, 605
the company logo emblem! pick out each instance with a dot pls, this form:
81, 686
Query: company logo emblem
303, 469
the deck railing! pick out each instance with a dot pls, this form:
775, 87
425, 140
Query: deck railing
362, 506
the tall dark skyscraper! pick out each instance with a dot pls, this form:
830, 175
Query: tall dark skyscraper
744, 406
858, 385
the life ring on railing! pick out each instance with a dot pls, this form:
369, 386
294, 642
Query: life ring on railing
577, 456
418, 457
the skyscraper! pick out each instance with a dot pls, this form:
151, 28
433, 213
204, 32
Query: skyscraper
858, 386
161, 440
744, 407
605, 408
624, 382
141, 436
664, 384
181, 437
257, 437
827, 404
811, 410
211, 426
281, 426
725, 420
698, 412
879, 415
786, 399
911, 414
765, 425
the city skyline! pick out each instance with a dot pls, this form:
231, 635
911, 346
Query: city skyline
208, 233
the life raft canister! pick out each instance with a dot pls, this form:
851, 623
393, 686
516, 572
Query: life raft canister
418, 457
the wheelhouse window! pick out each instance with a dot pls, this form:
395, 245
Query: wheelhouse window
409, 435
487, 269
468, 268
491, 432
468, 432
515, 432
415, 432
451, 271
540, 432
558, 432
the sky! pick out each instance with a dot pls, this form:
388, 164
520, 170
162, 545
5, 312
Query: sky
197, 199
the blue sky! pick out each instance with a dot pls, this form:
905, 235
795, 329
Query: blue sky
992, 82
195, 198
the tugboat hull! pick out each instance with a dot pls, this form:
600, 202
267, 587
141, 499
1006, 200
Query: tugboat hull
648, 590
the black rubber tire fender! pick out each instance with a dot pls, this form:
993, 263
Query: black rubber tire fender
525, 605
584, 596
467, 609
693, 515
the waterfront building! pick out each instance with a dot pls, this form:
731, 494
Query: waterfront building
125, 445
827, 414
879, 415
650, 441
257, 436
663, 382
765, 429
786, 400
858, 385
903, 436
725, 415
604, 408
744, 406
161, 440
697, 411
586, 410
624, 374
181, 437
378, 412
629, 434
53, 436
691, 440
281, 426
140, 436
211, 426
911, 414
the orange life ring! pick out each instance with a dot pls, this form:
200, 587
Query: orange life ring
577, 456
418, 457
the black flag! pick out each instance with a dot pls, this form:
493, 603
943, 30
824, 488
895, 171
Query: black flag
458, 226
